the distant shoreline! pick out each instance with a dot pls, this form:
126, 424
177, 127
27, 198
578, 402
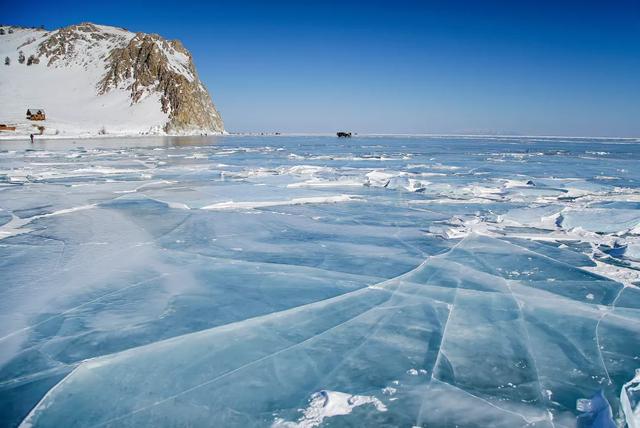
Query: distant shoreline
363, 134
25, 137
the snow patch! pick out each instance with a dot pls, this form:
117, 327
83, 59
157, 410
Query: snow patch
327, 404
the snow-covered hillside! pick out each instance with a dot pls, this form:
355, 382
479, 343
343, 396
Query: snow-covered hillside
93, 79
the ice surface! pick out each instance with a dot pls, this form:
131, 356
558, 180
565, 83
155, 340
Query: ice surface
311, 281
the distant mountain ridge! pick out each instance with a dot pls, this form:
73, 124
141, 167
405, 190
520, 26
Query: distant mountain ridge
96, 79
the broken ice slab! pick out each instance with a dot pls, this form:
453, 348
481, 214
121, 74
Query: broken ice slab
630, 401
601, 220
596, 412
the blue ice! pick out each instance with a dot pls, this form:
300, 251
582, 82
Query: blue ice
311, 281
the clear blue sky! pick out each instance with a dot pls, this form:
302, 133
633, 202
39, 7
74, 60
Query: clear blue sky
519, 66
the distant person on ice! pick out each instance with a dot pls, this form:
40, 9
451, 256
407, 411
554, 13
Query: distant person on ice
31, 136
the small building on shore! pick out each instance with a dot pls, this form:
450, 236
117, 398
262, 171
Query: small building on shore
36, 114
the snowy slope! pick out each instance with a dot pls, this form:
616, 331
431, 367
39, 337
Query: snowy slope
65, 83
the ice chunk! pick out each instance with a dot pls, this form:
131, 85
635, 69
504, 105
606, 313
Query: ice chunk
543, 217
630, 401
596, 412
601, 219
632, 252
379, 178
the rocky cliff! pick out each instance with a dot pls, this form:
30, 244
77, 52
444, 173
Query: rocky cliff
150, 63
98, 79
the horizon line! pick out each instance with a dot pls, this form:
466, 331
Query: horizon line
395, 134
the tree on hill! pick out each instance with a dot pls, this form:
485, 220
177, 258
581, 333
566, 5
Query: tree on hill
21, 57
33, 60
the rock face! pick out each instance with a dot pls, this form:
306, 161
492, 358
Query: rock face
76, 44
150, 63
99, 79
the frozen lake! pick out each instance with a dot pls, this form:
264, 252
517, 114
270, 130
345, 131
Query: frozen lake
307, 281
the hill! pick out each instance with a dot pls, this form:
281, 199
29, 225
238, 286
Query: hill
94, 79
